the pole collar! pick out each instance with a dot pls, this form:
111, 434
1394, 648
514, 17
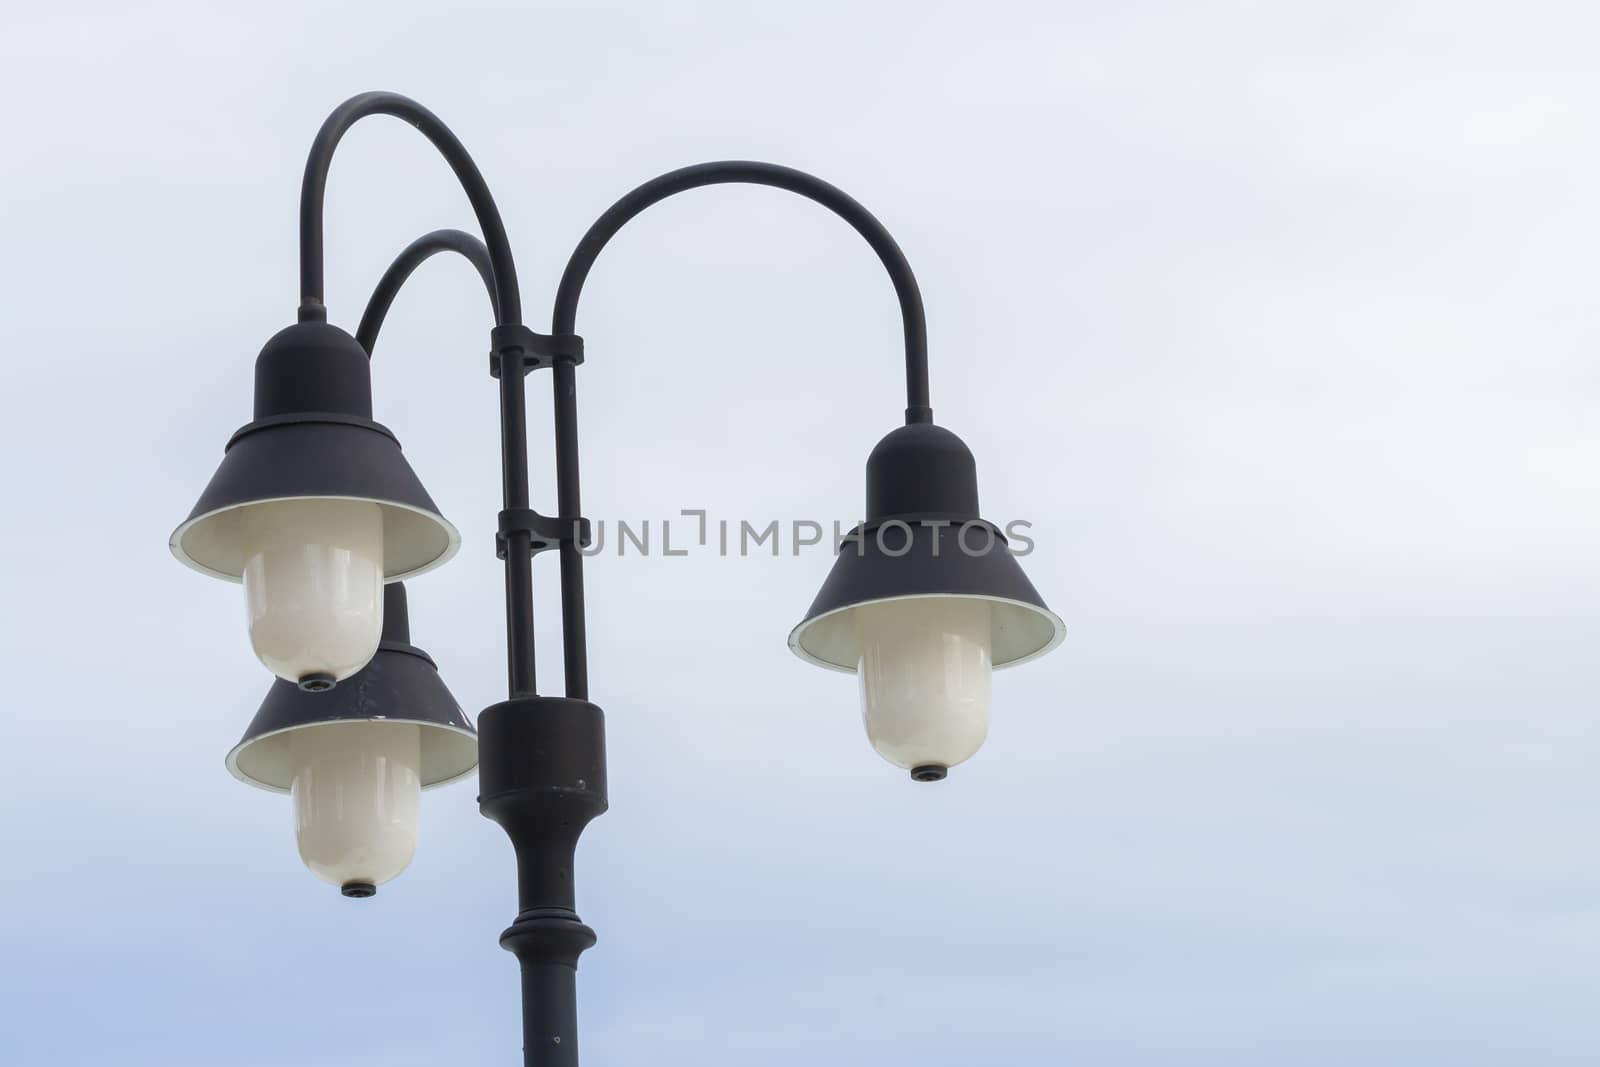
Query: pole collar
515, 344
544, 532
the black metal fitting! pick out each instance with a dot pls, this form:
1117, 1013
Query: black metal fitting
929, 772
312, 366
317, 682
544, 532
516, 343
359, 890
543, 777
921, 469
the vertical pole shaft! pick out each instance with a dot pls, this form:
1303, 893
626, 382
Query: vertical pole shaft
519, 557
549, 1015
574, 642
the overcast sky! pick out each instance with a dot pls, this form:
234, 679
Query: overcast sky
1279, 322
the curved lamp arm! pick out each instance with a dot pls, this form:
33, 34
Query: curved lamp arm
508, 312
405, 264
413, 256
744, 172
315, 183
574, 629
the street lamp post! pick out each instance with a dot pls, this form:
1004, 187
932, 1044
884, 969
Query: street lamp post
315, 510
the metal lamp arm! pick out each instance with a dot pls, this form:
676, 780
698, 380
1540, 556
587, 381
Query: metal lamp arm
413, 256
314, 186
574, 630
744, 172
507, 301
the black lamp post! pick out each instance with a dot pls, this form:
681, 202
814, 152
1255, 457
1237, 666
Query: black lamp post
316, 511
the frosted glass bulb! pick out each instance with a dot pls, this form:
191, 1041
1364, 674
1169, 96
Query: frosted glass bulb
356, 793
313, 583
925, 678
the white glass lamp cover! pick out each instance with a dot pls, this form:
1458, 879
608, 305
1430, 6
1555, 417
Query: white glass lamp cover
357, 792
925, 678
313, 580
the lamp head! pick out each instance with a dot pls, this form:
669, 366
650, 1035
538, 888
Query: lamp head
924, 600
356, 757
314, 508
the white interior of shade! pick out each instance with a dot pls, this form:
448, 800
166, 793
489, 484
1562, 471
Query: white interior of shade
448, 753
414, 541
1019, 632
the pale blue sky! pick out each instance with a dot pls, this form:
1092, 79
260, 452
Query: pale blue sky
1279, 322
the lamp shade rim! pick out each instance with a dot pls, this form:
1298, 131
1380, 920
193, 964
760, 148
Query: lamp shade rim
314, 456
1057, 636
452, 535
232, 759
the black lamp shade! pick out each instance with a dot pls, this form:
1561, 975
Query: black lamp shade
923, 538
400, 685
313, 437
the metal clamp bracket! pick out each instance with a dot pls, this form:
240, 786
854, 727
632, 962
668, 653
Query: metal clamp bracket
534, 351
544, 532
